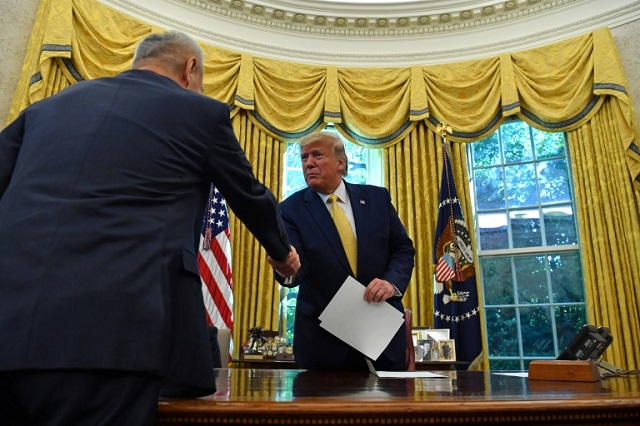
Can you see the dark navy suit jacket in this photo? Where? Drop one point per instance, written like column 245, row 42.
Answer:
column 102, row 191
column 384, row 251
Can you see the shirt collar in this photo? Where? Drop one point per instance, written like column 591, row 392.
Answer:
column 341, row 192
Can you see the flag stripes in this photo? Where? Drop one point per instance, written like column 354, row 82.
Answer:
column 214, row 263
column 217, row 284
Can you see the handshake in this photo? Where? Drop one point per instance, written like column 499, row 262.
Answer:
column 287, row 267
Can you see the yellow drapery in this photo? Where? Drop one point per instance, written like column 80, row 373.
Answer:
column 576, row 86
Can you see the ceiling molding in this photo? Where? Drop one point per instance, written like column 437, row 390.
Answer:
column 238, row 25
column 386, row 19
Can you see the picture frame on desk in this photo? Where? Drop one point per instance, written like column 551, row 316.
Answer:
column 415, row 336
column 424, row 333
column 436, row 334
column 423, row 350
column 447, row 350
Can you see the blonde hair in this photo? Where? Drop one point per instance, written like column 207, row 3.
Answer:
column 337, row 146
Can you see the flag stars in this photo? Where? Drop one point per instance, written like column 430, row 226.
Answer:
column 448, row 201
column 457, row 318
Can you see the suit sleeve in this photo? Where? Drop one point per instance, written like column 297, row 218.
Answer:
column 295, row 240
column 402, row 253
column 10, row 142
column 253, row 203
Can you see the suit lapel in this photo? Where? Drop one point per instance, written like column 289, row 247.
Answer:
column 320, row 214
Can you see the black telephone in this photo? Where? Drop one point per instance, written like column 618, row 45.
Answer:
column 588, row 344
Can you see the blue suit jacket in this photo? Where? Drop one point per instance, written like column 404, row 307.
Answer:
column 384, row 251
column 102, row 191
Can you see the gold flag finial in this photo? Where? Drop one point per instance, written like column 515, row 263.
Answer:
column 443, row 130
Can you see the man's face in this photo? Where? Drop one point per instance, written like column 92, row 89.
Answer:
column 322, row 169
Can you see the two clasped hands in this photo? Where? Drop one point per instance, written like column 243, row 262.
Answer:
column 377, row 290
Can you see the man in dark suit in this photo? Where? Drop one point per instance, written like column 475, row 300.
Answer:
column 102, row 191
column 385, row 255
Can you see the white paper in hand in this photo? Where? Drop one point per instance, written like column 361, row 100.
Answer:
column 368, row 327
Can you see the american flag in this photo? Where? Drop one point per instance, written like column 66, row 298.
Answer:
column 214, row 262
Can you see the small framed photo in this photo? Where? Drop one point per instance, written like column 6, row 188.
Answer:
column 419, row 333
column 423, row 350
column 415, row 336
column 447, row 350
column 436, row 334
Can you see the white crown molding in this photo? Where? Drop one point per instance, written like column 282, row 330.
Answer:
column 529, row 24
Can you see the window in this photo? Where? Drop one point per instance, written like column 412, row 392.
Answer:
column 365, row 166
column 528, row 254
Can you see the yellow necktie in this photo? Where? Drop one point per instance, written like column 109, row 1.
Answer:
column 346, row 233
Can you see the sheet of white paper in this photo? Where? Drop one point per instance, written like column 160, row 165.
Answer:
column 408, row 375
column 368, row 327
column 403, row 374
column 515, row 374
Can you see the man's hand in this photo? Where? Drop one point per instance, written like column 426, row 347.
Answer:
column 379, row 290
column 287, row 267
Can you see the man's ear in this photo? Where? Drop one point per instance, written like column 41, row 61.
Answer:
column 187, row 70
column 343, row 162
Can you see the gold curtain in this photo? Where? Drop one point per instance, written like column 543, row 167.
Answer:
column 608, row 220
column 575, row 86
column 256, row 296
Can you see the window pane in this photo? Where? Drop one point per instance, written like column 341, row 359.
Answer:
column 553, row 179
column 559, row 225
column 548, row 144
column 525, row 228
column 516, row 141
column 521, row 186
column 292, row 155
column 295, row 182
column 497, row 281
column 531, row 276
column 486, row 153
column 535, row 324
column 357, row 156
column 566, row 278
column 502, row 331
column 489, row 188
column 505, row 365
column 494, row 233
column 569, row 320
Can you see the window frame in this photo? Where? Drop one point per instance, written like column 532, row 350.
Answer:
column 512, row 254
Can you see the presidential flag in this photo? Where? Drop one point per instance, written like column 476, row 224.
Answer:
column 456, row 297
column 214, row 262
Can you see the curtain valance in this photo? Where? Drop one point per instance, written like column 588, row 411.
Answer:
column 557, row 87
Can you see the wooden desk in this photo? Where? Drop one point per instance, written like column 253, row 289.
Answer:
column 286, row 396
column 282, row 364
